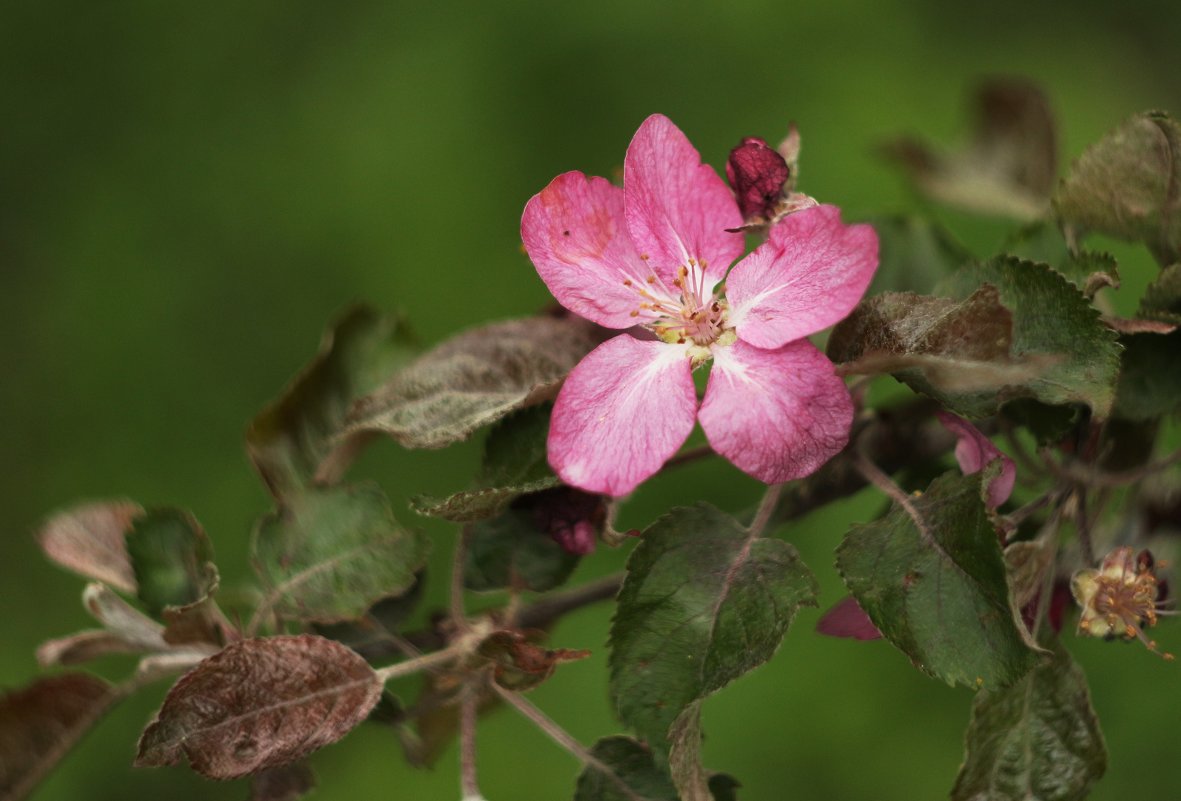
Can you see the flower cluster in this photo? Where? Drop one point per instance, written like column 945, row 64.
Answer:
column 649, row 259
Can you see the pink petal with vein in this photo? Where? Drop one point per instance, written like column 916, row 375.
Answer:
column 847, row 619
column 809, row 275
column 973, row 451
column 776, row 414
column 574, row 231
column 623, row 411
column 677, row 207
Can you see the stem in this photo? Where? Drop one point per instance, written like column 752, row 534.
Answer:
column 564, row 739
column 468, row 711
column 1083, row 526
column 458, row 562
column 691, row 455
column 886, row 484
column 424, row 662
column 547, row 610
column 766, row 509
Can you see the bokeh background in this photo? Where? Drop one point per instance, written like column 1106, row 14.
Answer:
column 189, row 191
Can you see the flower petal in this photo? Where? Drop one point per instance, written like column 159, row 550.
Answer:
column 809, row 275
column 574, row 232
column 776, row 414
column 678, row 208
column 623, row 411
column 973, row 451
column 847, row 619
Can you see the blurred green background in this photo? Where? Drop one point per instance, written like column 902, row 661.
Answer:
column 188, row 192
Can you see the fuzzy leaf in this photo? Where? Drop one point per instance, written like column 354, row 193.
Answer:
column 1054, row 326
column 955, row 351
column 511, row 551
column 293, row 441
column 702, row 604
column 331, row 553
column 514, row 465
column 1125, row 185
column 259, row 704
column 1038, row 740
column 172, row 558
column 1162, row 298
column 633, row 764
column 89, row 540
column 287, row 783
column 41, row 722
column 1009, row 166
column 935, row 586
column 914, row 255
column 1150, row 379
column 1042, row 242
column 474, row 379
column 127, row 630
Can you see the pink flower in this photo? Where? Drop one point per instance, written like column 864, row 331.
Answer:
column 653, row 254
column 974, row 452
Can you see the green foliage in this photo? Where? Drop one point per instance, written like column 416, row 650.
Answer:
column 914, row 254
column 1150, row 379
column 514, row 464
column 932, row 579
column 704, row 602
column 1037, row 740
column 632, row 763
column 1125, row 185
column 331, row 553
column 510, row 551
column 172, row 558
column 1162, row 298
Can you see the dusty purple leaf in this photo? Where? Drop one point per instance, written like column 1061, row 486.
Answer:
column 283, row 784
column 41, row 722
column 259, row 704
column 89, row 540
column 126, row 630
column 847, row 619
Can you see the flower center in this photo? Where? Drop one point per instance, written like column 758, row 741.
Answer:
column 691, row 317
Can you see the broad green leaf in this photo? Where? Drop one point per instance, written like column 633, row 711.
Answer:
column 955, row 351
column 295, row 439
column 915, row 254
column 1150, row 378
column 331, row 553
column 260, row 704
column 41, row 722
column 473, row 380
column 172, row 558
column 632, row 764
column 1048, row 424
column 1042, row 242
column 1038, row 740
column 514, row 464
column 1008, row 167
column 703, row 603
column 1053, row 326
column 1162, row 298
column 513, row 551
column 932, row 579
column 1125, row 185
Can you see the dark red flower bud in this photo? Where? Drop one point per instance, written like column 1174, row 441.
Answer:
column 573, row 518
column 757, row 173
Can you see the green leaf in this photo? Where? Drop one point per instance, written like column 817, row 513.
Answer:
column 512, row 551
column 1048, row 424
column 914, row 254
column 514, row 465
column 474, row 379
column 955, row 351
column 1150, row 379
column 1162, row 298
column 172, row 559
column 1042, row 242
column 632, row 763
column 703, row 603
column 1038, row 740
column 1010, row 164
column 1125, row 185
column 932, row 579
column 331, row 553
column 1054, row 326
column 295, row 439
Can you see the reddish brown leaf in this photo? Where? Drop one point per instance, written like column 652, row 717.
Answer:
column 283, row 784
column 88, row 540
column 259, row 704
column 41, row 722
column 82, row 646
column 520, row 664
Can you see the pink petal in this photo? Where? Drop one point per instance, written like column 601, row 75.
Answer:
column 678, row 208
column 847, row 619
column 623, row 411
column 810, row 273
column 574, row 232
column 776, row 414
column 973, row 451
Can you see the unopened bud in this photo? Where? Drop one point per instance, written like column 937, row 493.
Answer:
column 573, row 518
column 757, row 173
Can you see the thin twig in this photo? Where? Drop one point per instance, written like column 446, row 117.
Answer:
column 564, row 739
column 691, row 455
column 458, row 564
column 1019, row 516
column 766, row 509
column 424, row 662
column 1082, row 525
column 547, row 610
column 886, row 484
column 469, row 704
